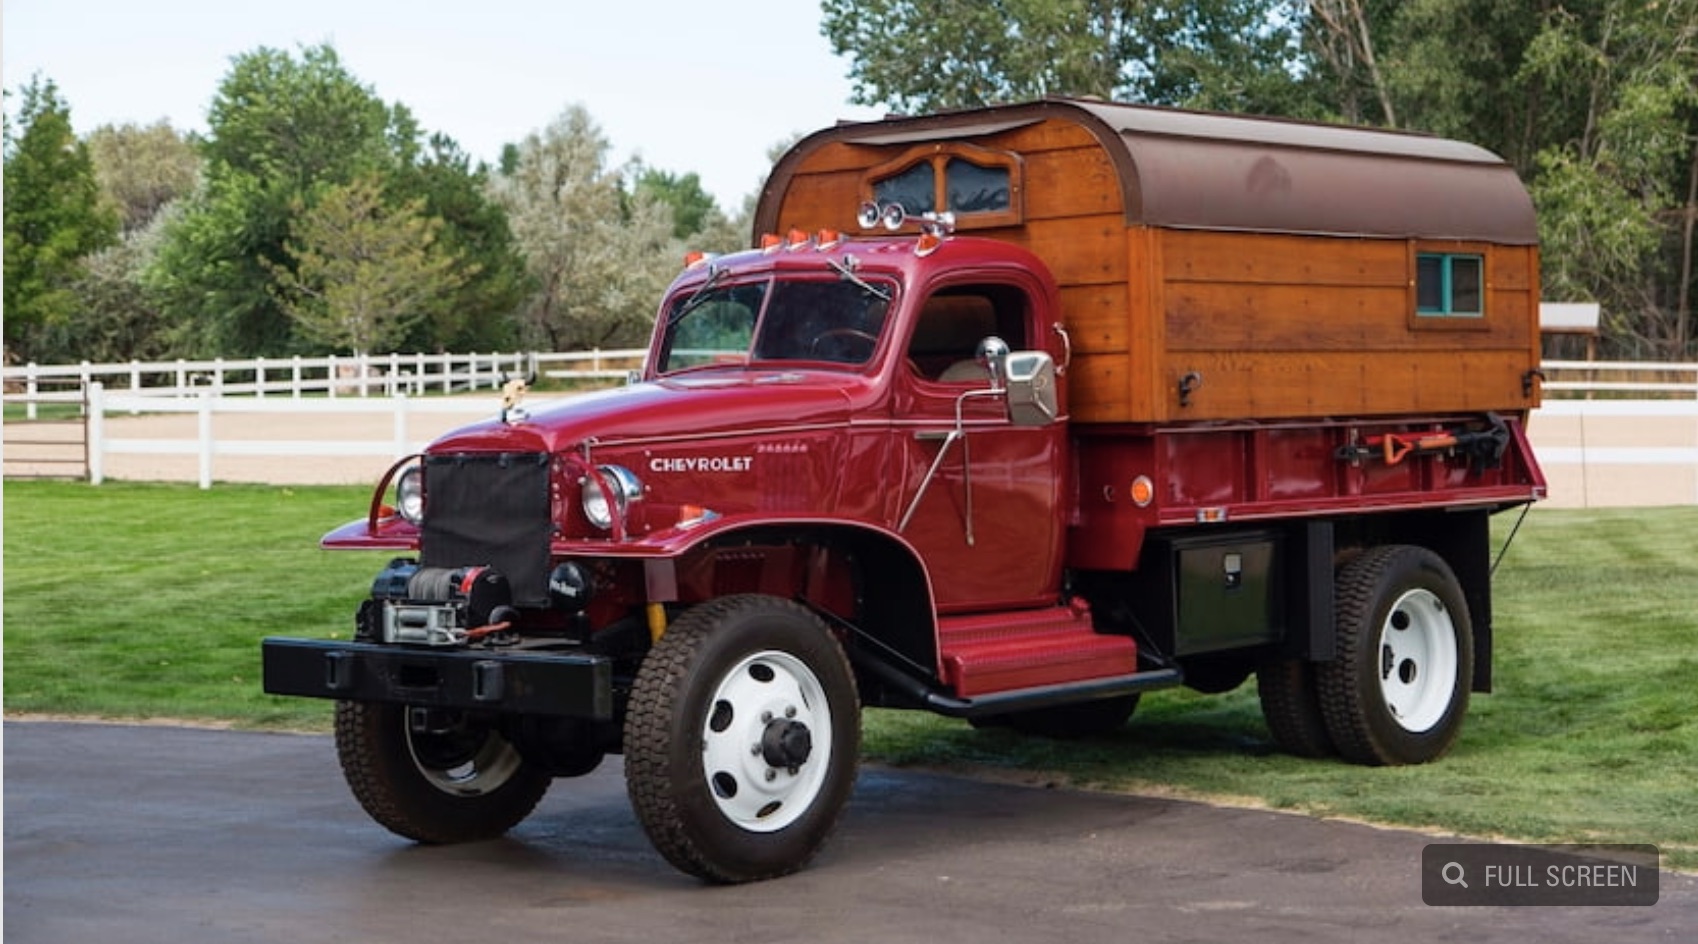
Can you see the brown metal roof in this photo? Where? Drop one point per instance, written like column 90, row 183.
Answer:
column 1228, row 172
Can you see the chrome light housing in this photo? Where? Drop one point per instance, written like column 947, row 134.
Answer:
column 409, row 494
column 625, row 488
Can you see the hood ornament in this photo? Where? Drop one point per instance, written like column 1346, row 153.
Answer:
column 513, row 390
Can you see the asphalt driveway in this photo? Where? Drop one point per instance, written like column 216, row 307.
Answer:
column 157, row 834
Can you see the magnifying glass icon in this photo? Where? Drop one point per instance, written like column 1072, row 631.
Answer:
column 1459, row 879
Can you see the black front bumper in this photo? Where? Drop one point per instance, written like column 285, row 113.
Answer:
column 532, row 683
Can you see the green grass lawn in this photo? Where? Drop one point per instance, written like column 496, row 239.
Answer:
column 149, row 601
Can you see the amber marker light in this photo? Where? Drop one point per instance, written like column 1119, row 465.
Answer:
column 928, row 244
column 1143, row 491
column 770, row 242
column 827, row 238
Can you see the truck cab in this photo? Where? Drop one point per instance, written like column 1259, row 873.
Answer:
column 1096, row 400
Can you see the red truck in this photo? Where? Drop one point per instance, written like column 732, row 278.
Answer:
column 1100, row 399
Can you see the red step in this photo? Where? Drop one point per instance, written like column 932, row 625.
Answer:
column 999, row 652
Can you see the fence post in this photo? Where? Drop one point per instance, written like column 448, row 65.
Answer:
column 85, row 378
column 259, row 378
column 204, row 429
column 94, row 432
column 182, row 378
column 331, row 375
column 29, row 390
column 295, row 376
column 365, row 374
column 401, row 440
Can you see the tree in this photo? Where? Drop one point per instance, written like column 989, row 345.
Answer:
column 279, row 128
column 925, row 55
column 118, row 318
column 479, row 314
column 598, row 258
column 53, row 218
column 363, row 271
column 141, row 170
column 1618, row 196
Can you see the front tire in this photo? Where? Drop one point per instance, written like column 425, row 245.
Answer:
column 742, row 738
column 435, row 776
column 1398, row 689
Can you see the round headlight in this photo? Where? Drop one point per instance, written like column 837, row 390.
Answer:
column 625, row 489
column 409, row 494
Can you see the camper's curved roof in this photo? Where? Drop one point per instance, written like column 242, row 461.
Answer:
column 1228, row 172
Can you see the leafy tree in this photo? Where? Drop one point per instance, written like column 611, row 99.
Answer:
column 1618, row 195
column 925, row 55
column 53, row 218
column 363, row 270
column 118, row 317
column 598, row 258
column 479, row 314
column 141, row 170
column 279, row 128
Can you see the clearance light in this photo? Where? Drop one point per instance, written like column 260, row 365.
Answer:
column 927, row 244
column 827, row 238
column 690, row 516
column 797, row 240
column 1143, row 491
column 770, row 242
column 696, row 259
column 1214, row 515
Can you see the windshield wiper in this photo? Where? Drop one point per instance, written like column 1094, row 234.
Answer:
column 846, row 268
column 716, row 274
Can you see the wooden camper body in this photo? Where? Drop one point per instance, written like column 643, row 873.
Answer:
column 1217, row 267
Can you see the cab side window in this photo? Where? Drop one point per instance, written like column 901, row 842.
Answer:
column 954, row 320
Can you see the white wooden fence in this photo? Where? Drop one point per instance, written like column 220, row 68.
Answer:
column 299, row 377
column 1595, row 451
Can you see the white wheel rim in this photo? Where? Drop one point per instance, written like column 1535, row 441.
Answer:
column 1417, row 661
column 464, row 774
column 763, row 690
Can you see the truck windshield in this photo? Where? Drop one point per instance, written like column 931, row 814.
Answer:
column 831, row 322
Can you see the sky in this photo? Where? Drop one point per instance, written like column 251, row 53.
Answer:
column 702, row 87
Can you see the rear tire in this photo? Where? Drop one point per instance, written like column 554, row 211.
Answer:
column 1292, row 708
column 459, row 782
column 1398, row 689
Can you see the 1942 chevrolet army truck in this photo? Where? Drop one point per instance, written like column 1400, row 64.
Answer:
column 1099, row 399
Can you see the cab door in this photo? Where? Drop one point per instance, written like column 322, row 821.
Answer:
column 982, row 498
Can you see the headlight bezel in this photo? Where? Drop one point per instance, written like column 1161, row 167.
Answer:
column 623, row 487
column 410, row 494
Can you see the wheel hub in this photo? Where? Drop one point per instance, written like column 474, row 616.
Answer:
column 786, row 743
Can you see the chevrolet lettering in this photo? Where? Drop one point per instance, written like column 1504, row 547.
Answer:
column 1079, row 411
column 701, row 464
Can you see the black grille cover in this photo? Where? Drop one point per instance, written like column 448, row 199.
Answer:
column 490, row 510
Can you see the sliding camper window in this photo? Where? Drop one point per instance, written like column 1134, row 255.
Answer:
column 1450, row 285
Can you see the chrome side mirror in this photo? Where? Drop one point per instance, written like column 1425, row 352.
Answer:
column 1031, row 392
column 992, row 355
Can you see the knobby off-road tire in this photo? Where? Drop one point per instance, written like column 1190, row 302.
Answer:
column 1398, row 690
column 742, row 738
column 462, row 783
column 1292, row 708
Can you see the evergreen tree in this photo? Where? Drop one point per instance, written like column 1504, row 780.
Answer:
column 53, row 218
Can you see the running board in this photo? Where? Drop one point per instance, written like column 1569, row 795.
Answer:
column 1023, row 699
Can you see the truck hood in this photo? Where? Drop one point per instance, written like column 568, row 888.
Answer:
column 718, row 403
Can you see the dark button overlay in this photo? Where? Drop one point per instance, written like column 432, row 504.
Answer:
column 1550, row 875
